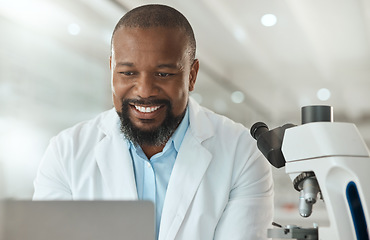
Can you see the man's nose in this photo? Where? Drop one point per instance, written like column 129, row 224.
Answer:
column 146, row 86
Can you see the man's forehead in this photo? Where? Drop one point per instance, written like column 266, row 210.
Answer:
column 130, row 32
column 145, row 38
column 167, row 42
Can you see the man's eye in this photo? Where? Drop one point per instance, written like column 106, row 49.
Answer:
column 127, row 73
column 164, row 74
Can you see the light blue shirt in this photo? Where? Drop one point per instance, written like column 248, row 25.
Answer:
column 152, row 176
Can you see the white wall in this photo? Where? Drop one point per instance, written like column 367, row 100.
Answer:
column 45, row 86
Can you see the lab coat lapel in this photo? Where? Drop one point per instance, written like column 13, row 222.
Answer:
column 114, row 161
column 190, row 166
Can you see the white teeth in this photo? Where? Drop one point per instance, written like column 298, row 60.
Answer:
column 146, row 109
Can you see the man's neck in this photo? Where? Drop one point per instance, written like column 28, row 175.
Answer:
column 151, row 150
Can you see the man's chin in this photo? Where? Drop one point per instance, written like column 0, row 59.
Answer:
column 144, row 128
column 147, row 125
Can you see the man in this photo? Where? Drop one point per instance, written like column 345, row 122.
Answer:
column 202, row 170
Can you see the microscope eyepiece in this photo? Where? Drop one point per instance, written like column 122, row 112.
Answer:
column 269, row 142
column 257, row 129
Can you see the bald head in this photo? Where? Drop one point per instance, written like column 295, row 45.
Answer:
column 154, row 15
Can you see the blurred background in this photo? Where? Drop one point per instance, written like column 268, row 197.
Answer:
column 261, row 60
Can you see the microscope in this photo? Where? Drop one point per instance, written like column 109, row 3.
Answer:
column 327, row 159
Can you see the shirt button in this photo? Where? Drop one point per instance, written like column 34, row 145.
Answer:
column 148, row 165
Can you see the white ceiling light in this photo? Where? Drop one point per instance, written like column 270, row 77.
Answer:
column 268, row 20
column 323, row 94
column 240, row 34
column 237, row 97
column 74, row 29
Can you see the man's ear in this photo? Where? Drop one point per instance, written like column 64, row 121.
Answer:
column 110, row 62
column 193, row 74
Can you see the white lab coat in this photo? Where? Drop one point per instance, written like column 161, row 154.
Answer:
column 220, row 188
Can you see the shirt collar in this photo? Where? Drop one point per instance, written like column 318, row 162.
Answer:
column 179, row 134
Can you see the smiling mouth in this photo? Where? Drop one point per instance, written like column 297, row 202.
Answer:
column 147, row 109
column 144, row 109
column 147, row 114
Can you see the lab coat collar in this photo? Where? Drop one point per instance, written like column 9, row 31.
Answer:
column 114, row 159
column 200, row 124
column 191, row 164
column 110, row 123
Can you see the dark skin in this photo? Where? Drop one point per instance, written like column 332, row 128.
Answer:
column 151, row 63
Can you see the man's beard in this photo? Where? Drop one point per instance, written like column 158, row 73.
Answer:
column 153, row 137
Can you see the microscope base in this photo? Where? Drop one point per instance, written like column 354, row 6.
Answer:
column 293, row 233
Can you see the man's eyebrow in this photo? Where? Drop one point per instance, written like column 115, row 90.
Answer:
column 173, row 66
column 128, row 64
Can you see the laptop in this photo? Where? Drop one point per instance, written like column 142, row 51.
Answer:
column 77, row 220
